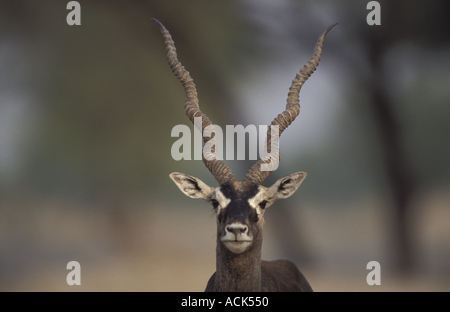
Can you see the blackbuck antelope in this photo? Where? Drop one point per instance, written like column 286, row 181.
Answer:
column 240, row 206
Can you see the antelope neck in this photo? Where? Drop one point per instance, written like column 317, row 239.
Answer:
column 238, row 272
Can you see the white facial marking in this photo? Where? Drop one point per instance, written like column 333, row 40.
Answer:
column 255, row 200
column 236, row 237
column 221, row 199
column 237, row 247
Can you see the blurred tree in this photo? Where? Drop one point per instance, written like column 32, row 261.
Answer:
column 363, row 53
column 107, row 93
column 107, row 100
column 401, row 21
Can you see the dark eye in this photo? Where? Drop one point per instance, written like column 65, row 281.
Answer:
column 215, row 203
column 263, row 204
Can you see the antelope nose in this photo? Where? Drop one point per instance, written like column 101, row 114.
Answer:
column 237, row 228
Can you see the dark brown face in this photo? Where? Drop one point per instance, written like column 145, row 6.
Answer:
column 239, row 215
column 239, row 206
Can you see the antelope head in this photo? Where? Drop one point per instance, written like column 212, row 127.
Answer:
column 240, row 206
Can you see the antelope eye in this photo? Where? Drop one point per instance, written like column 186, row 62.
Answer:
column 215, row 203
column 263, row 204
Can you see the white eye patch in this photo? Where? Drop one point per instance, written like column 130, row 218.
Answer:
column 255, row 200
column 221, row 199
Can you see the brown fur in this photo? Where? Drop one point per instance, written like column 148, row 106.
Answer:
column 246, row 272
column 275, row 276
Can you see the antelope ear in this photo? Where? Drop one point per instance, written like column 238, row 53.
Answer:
column 191, row 186
column 286, row 186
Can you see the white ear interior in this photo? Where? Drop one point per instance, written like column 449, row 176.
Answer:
column 191, row 186
column 286, row 186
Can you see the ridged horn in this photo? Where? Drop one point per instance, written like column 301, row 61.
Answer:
column 221, row 172
column 283, row 120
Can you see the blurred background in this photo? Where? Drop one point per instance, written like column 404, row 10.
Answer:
column 86, row 114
